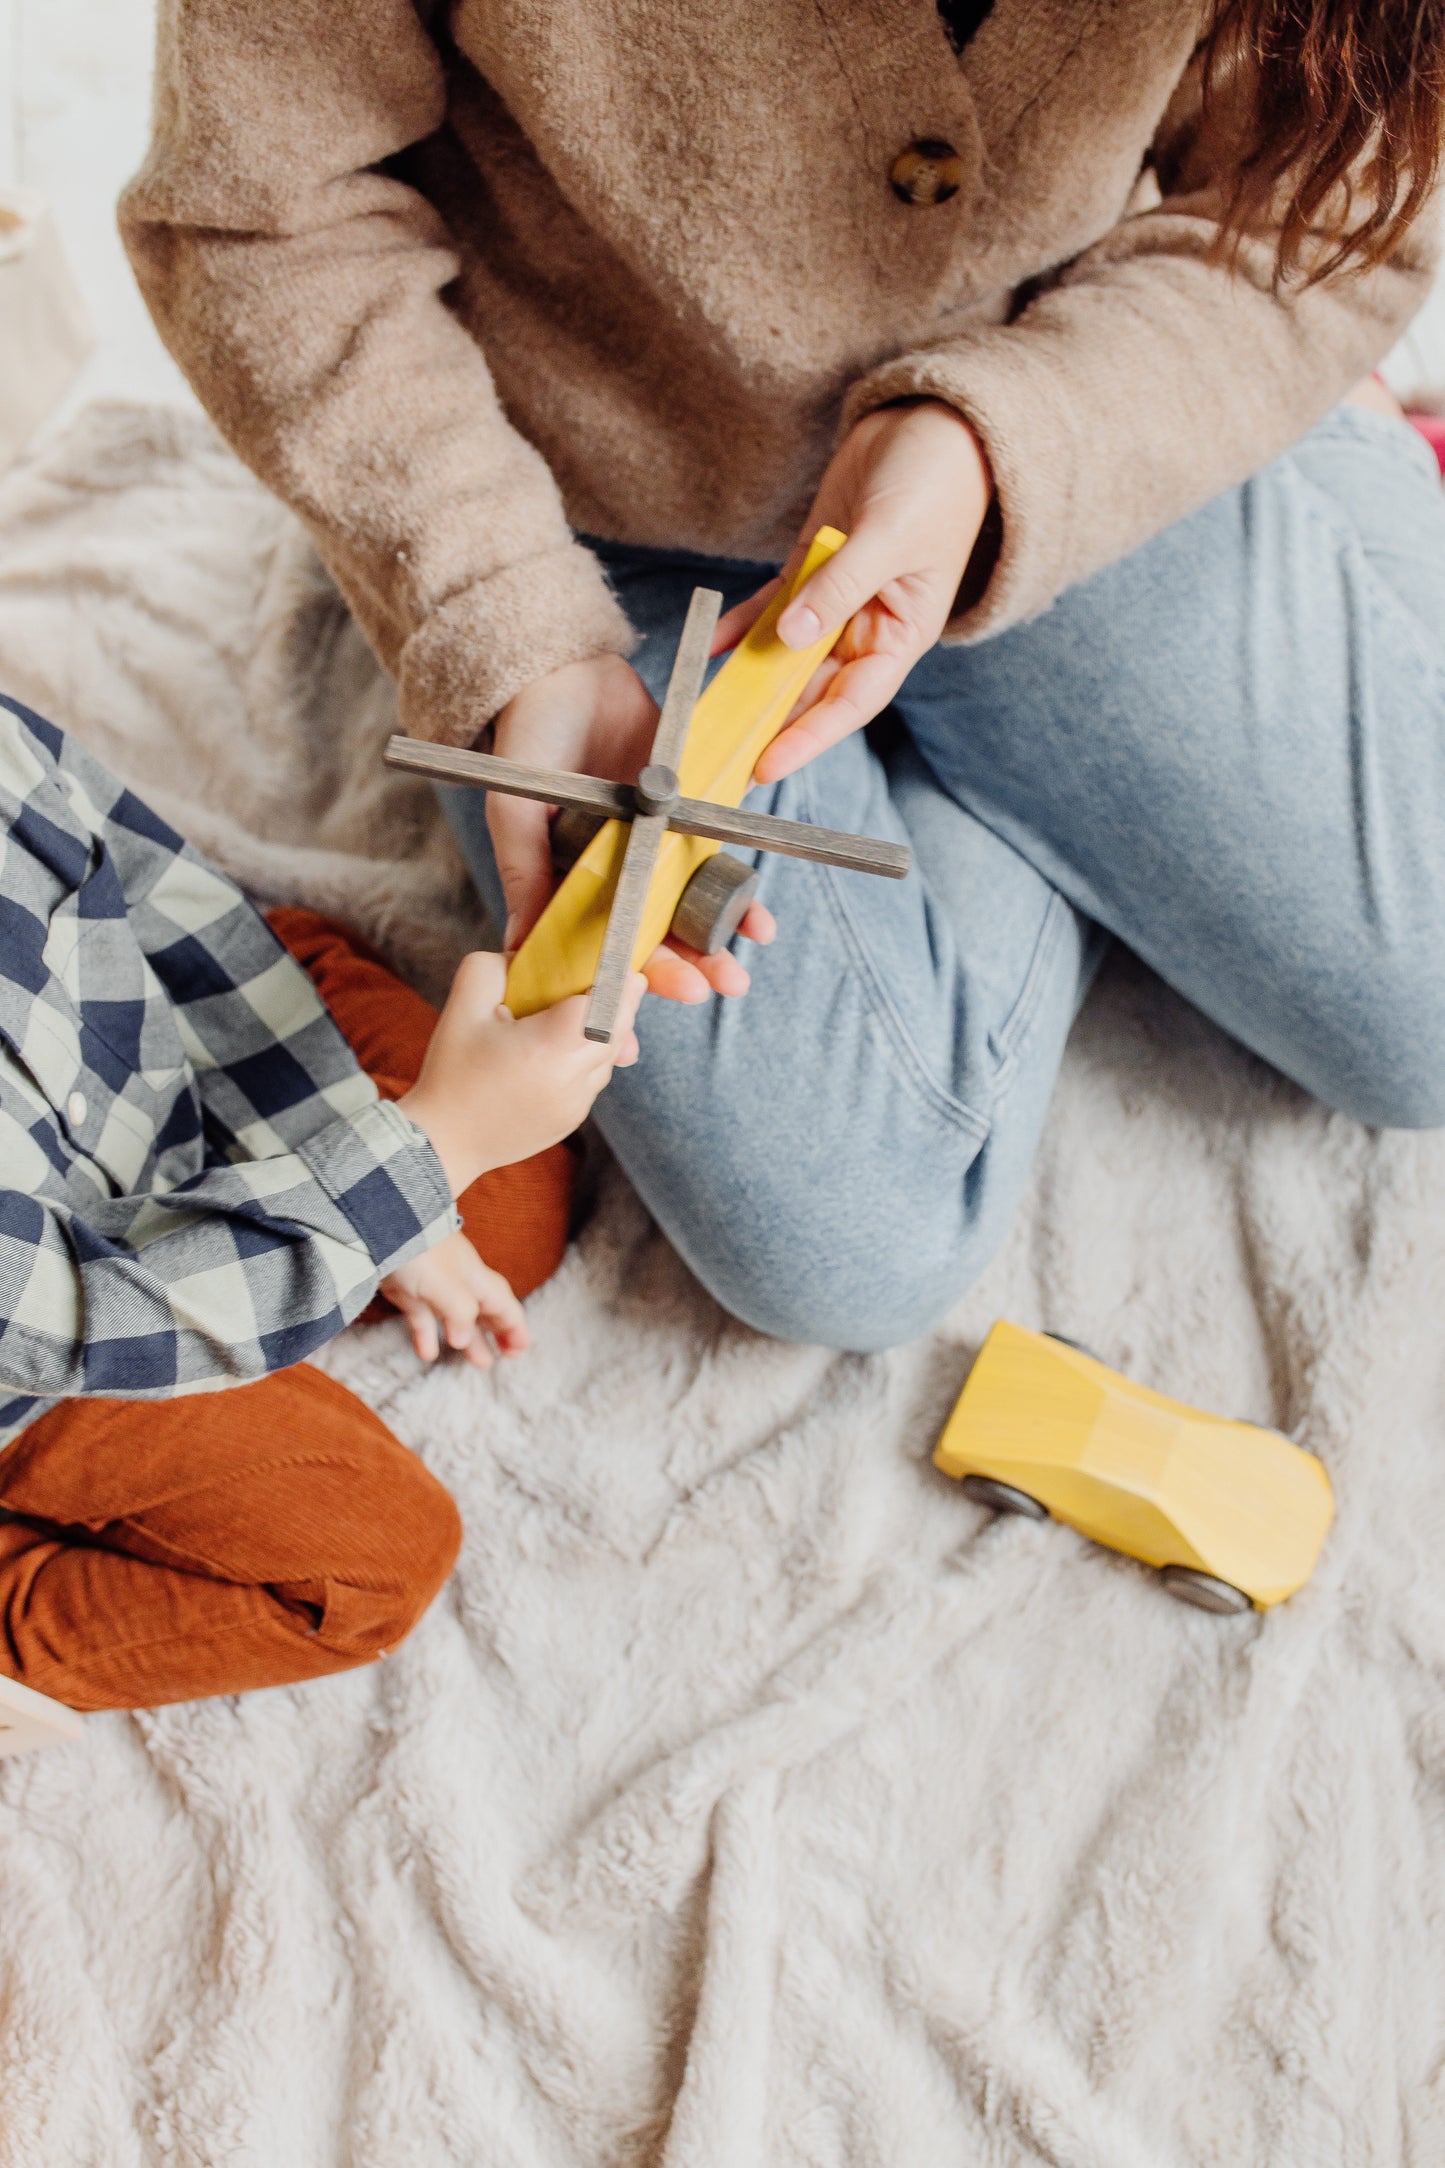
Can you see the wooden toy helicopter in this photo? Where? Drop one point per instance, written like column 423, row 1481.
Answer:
column 642, row 859
column 1232, row 1515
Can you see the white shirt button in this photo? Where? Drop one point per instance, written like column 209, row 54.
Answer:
column 76, row 1109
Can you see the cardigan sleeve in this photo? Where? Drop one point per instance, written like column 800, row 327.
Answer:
column 299, row 285
column 1147, row 376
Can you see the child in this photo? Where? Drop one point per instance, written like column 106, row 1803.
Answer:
column 200, row 1184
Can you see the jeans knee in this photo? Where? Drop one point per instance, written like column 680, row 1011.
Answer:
column 1389, row 1073
column 1398, row 1095
column 877, row 1292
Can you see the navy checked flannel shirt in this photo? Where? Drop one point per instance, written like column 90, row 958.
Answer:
column 198, row 1184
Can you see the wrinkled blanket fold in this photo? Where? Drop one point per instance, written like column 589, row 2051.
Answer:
column 750, row 1799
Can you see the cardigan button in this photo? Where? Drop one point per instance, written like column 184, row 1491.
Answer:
column 929, row 171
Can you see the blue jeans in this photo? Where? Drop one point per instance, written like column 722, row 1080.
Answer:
column 1227, row 751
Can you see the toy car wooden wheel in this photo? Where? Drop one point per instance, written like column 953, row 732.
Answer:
column 712, row 906
column 1204, row 1591
column 986, row 1490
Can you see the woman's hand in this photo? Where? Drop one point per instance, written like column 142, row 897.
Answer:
column 596, row 718
column 448, row 1290
column 909, row 486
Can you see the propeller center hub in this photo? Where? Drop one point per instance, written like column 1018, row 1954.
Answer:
column 656, row 789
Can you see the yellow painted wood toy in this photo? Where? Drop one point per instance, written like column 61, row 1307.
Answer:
column 740, row 714
column 653, row 865
column 1231, row 1514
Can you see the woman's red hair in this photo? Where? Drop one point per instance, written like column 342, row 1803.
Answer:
column 1344, row 141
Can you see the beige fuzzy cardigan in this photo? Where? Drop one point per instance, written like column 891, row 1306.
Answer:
column 457, row 281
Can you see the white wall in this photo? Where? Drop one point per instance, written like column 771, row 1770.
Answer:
column 74, row 105
column 9, row 86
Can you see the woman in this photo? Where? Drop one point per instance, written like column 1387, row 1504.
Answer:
column 1053, row 307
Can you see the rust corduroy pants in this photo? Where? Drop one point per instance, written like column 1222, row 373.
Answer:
column 155, row 1551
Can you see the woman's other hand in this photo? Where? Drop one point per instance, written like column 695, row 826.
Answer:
column 595, row 718
column 910, row 487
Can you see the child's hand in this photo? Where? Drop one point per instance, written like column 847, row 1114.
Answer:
column 909, row 486
column 449, row 1290
column 495, row 1088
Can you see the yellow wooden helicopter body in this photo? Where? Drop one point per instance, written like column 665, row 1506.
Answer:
column 739, row 714
column 1145, row 1475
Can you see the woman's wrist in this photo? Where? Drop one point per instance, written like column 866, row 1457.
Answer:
column 984, row 505
column 931, row 401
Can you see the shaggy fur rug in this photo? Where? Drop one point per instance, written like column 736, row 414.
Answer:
column 749, row 1800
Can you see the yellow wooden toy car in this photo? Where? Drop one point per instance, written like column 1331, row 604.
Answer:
column 1231, row 1514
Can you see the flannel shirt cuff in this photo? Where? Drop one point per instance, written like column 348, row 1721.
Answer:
column 383, row 1173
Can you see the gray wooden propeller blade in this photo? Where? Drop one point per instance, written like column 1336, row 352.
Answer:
column 618, row 801
column 790, row 839
column 629, row 901
column 554, row 786
column 650, row 823
column 684, row 686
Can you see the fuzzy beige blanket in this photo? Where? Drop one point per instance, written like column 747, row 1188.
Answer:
column 749, row 1800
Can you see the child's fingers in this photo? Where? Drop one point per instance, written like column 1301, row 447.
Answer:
column 421, row 1323
column 478, row 1351
column 622, row 1050
column 480, row 982
column 496, row 1305
column 564, row 1024
column 759, row 925
column 561, row 1028
column 450, row 1298
column 458, row 1312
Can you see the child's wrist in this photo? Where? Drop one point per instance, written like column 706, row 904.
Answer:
column 461, row 1163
